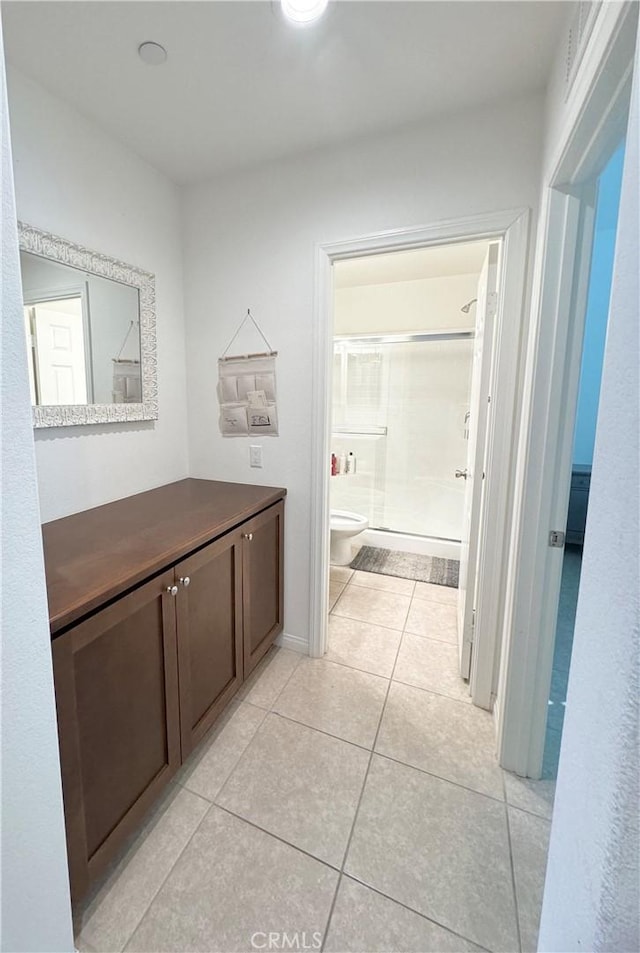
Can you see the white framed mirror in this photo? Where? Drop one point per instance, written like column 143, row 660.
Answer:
column 90, row 326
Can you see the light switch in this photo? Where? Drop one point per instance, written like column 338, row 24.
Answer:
column 255, row 456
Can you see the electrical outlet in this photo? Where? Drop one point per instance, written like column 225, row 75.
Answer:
column 255, row 456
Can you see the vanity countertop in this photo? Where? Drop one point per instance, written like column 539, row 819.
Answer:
column 93, row 556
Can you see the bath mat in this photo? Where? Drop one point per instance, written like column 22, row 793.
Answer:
column 433, row 569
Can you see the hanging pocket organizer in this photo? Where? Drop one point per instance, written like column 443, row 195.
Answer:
column 247, row 391
column 127, row 380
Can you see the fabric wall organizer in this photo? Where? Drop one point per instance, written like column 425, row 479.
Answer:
column 247, row 391
column 127, row 380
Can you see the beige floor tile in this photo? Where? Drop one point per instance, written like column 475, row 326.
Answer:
column 445, row 594
column 257, row 672
column 299, row 784
column 439, row 849
column 373, row 605
column 207, row 771
column 115, row 911
column 335, row 591
column 375, row 580
column 529, row 845
column 266, row 682
column 363, row 920
column 435, row 620
column 441, row 735
column 427, row 663
column 340, row 700
column 82, row 947
column 340, row 574
column 232, row 882
column 361, row 645
column 533, row 796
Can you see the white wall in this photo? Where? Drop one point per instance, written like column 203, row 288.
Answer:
column 36, row 911
column 424, row 304
column 75, row 181
column 250, row 241
column 112, row 309
column 592, row 891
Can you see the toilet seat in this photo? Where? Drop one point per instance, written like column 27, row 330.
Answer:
column 343, row 519
column 344, row 527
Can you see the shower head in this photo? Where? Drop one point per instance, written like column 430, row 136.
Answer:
column 467, row 307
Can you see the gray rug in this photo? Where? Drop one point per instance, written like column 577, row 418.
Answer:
column 440, row 572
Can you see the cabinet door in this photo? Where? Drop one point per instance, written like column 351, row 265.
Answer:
column 209, row 613
column 262, row 582
column 118, row 722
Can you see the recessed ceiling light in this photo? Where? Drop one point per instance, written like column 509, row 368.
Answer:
column 152, row 53
column 303, row 11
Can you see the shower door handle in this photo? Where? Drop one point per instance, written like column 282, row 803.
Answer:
column 462, row 473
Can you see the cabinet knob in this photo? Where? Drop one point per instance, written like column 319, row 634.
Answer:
column 172, row 590
column 184, row 581
column 248, row 536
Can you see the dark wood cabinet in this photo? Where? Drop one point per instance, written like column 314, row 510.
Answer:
column 116, row 682
column 143, row 674
column 209, row 614
column 263, row 581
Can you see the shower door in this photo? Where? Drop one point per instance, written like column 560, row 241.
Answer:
column 401, row 407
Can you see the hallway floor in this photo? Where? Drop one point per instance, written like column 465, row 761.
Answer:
column 352, row 802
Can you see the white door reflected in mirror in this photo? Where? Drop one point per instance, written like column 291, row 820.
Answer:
column 84, row 334
column 57, row 366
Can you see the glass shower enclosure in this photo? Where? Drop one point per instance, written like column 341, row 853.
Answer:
column 401, row 406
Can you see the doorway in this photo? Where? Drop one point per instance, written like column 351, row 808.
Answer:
column 412, row 366
column 404, row 327
column 510, row 230
column 607, row 199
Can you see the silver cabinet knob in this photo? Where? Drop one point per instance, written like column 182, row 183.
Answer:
column 462, row 473
column 172, row 590
column 184, row 581
column 248, row 536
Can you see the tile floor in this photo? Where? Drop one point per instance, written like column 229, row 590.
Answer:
column 351, row 802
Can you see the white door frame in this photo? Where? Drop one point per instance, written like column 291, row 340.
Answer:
column 512, row 227
column 596, row 113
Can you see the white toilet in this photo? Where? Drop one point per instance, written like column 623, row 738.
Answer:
column 344, row 526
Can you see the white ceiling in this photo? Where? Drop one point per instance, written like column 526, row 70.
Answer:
column 441, row 261
column 242, row 86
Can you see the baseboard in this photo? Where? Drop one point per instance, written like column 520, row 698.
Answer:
column 293, row 642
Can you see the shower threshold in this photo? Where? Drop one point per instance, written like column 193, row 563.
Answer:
column 411, row 543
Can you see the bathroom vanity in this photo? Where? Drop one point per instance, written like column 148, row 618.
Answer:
column 160, row 606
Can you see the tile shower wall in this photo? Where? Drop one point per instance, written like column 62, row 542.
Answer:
column 400, row 408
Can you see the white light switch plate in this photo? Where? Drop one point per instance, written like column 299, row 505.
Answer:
column 255, row 456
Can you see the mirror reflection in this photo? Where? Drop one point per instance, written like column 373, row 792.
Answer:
column 83, row 335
